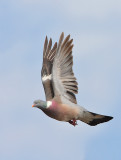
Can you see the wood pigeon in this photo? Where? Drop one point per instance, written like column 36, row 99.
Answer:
column 60, row 85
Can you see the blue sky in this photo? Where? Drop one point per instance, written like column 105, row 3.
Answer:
column 95, row 26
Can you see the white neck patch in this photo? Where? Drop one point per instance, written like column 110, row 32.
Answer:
column 46, row 77
column 49, row 103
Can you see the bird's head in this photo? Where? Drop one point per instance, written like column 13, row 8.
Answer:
column 40, row 104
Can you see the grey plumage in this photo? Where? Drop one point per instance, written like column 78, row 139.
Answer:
column 62, row 70
column 60, row 85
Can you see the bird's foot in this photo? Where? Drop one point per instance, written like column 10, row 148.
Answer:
column 73, row 122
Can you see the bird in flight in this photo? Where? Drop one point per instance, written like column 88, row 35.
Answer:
column 60, row 85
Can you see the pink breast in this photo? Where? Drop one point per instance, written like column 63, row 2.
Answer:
column 54, row 105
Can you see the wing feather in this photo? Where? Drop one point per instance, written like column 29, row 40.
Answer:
column 46, row 72
column 64, row 81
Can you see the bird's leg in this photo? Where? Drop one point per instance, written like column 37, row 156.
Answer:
column 73, row 122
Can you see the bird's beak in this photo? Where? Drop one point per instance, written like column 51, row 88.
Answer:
column 33, row 105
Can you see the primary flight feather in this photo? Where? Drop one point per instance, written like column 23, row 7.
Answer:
column 60, row 85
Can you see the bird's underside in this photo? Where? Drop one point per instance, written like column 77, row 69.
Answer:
column 70, row 112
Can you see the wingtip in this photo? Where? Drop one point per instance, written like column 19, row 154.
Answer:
column 50, row 42
column 46, row 39
column 62, row 36
column 51, row 39
column 62, row 33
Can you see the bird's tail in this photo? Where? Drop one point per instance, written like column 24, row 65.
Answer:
column 93, row 119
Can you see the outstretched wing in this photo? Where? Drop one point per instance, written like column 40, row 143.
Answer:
column 64, row 81
column 46, row 72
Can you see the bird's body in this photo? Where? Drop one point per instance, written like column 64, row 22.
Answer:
column 60, row 86
column 62, row 112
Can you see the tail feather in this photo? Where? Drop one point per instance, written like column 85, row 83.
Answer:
column 93, row 119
